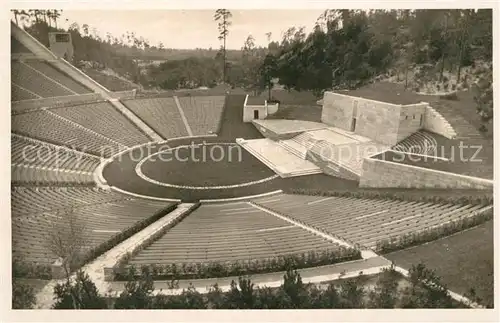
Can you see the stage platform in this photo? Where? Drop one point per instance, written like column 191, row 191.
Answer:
column 335, row 151
column 277, row 158
column 285, row 129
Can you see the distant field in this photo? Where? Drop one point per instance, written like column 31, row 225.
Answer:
column 463, row 261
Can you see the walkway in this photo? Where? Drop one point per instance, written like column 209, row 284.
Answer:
column 232, row 125
column 183, row 116
column 135, row 120
column 309, row 275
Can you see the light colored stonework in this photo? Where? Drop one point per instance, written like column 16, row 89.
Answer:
column 380, row 173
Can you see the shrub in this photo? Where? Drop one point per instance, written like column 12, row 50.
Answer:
column 483, row 128
column 430, row 234
column 21, row 269
column 450, row 96
column 238, row 268
column 23, row 295
column 483, row 198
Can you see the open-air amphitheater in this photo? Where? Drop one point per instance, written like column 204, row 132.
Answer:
column 80, row 150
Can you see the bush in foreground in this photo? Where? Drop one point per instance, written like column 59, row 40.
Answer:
column 238, row 268
column 423, row 289
column 23, row 296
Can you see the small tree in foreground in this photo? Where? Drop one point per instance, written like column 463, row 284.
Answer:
column 81, row 293
column 23, row 295
column 66, row 239
column 137, row 293
column 385, row 293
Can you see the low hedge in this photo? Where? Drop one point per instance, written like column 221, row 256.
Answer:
column 483, row 198
column 152, row 238
column 52, row 184
column 21, row 269
column 118, row 238
column 418, row 238
column 239, row 268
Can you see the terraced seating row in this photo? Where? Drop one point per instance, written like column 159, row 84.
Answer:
column 17, row 47
column 420, row 142
column 33, row 152
column 96, row 222
column 30, row 79
column 39, row 175
column 32, row 201
column 364, row 221
column 18, row 93
column 103, row 118
column 44, row 125
column 203, row 113
column 228, row 232
column 160, row 114
column 61, row 78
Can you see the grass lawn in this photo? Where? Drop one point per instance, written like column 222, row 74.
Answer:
column 207, row 165
column 463, row 261
column 298, row 112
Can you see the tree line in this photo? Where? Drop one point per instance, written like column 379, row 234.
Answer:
column 346, row 49
column 422, row 289
column 350, row 47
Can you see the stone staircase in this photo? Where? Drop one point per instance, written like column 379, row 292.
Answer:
column 418, row 143
column 461, row 126
column 294, row 148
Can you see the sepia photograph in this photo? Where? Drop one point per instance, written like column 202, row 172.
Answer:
column 251, row 159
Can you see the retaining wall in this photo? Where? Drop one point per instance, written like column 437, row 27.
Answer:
column 386, row 174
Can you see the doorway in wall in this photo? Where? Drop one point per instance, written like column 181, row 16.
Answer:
column 354, row 114
column 353, row 124
column 256, row 114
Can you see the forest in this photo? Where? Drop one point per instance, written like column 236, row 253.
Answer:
column 445, row 49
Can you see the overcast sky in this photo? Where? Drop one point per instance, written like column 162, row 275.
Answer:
column 192, row 28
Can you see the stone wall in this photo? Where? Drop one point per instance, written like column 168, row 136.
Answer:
column 378, row 121
column 337, row 110
column 374, row 119
column 385, row 174
column 329, row 167
column 435, row 122
column 412, row 118
column 55, row 102
column 123, row 95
